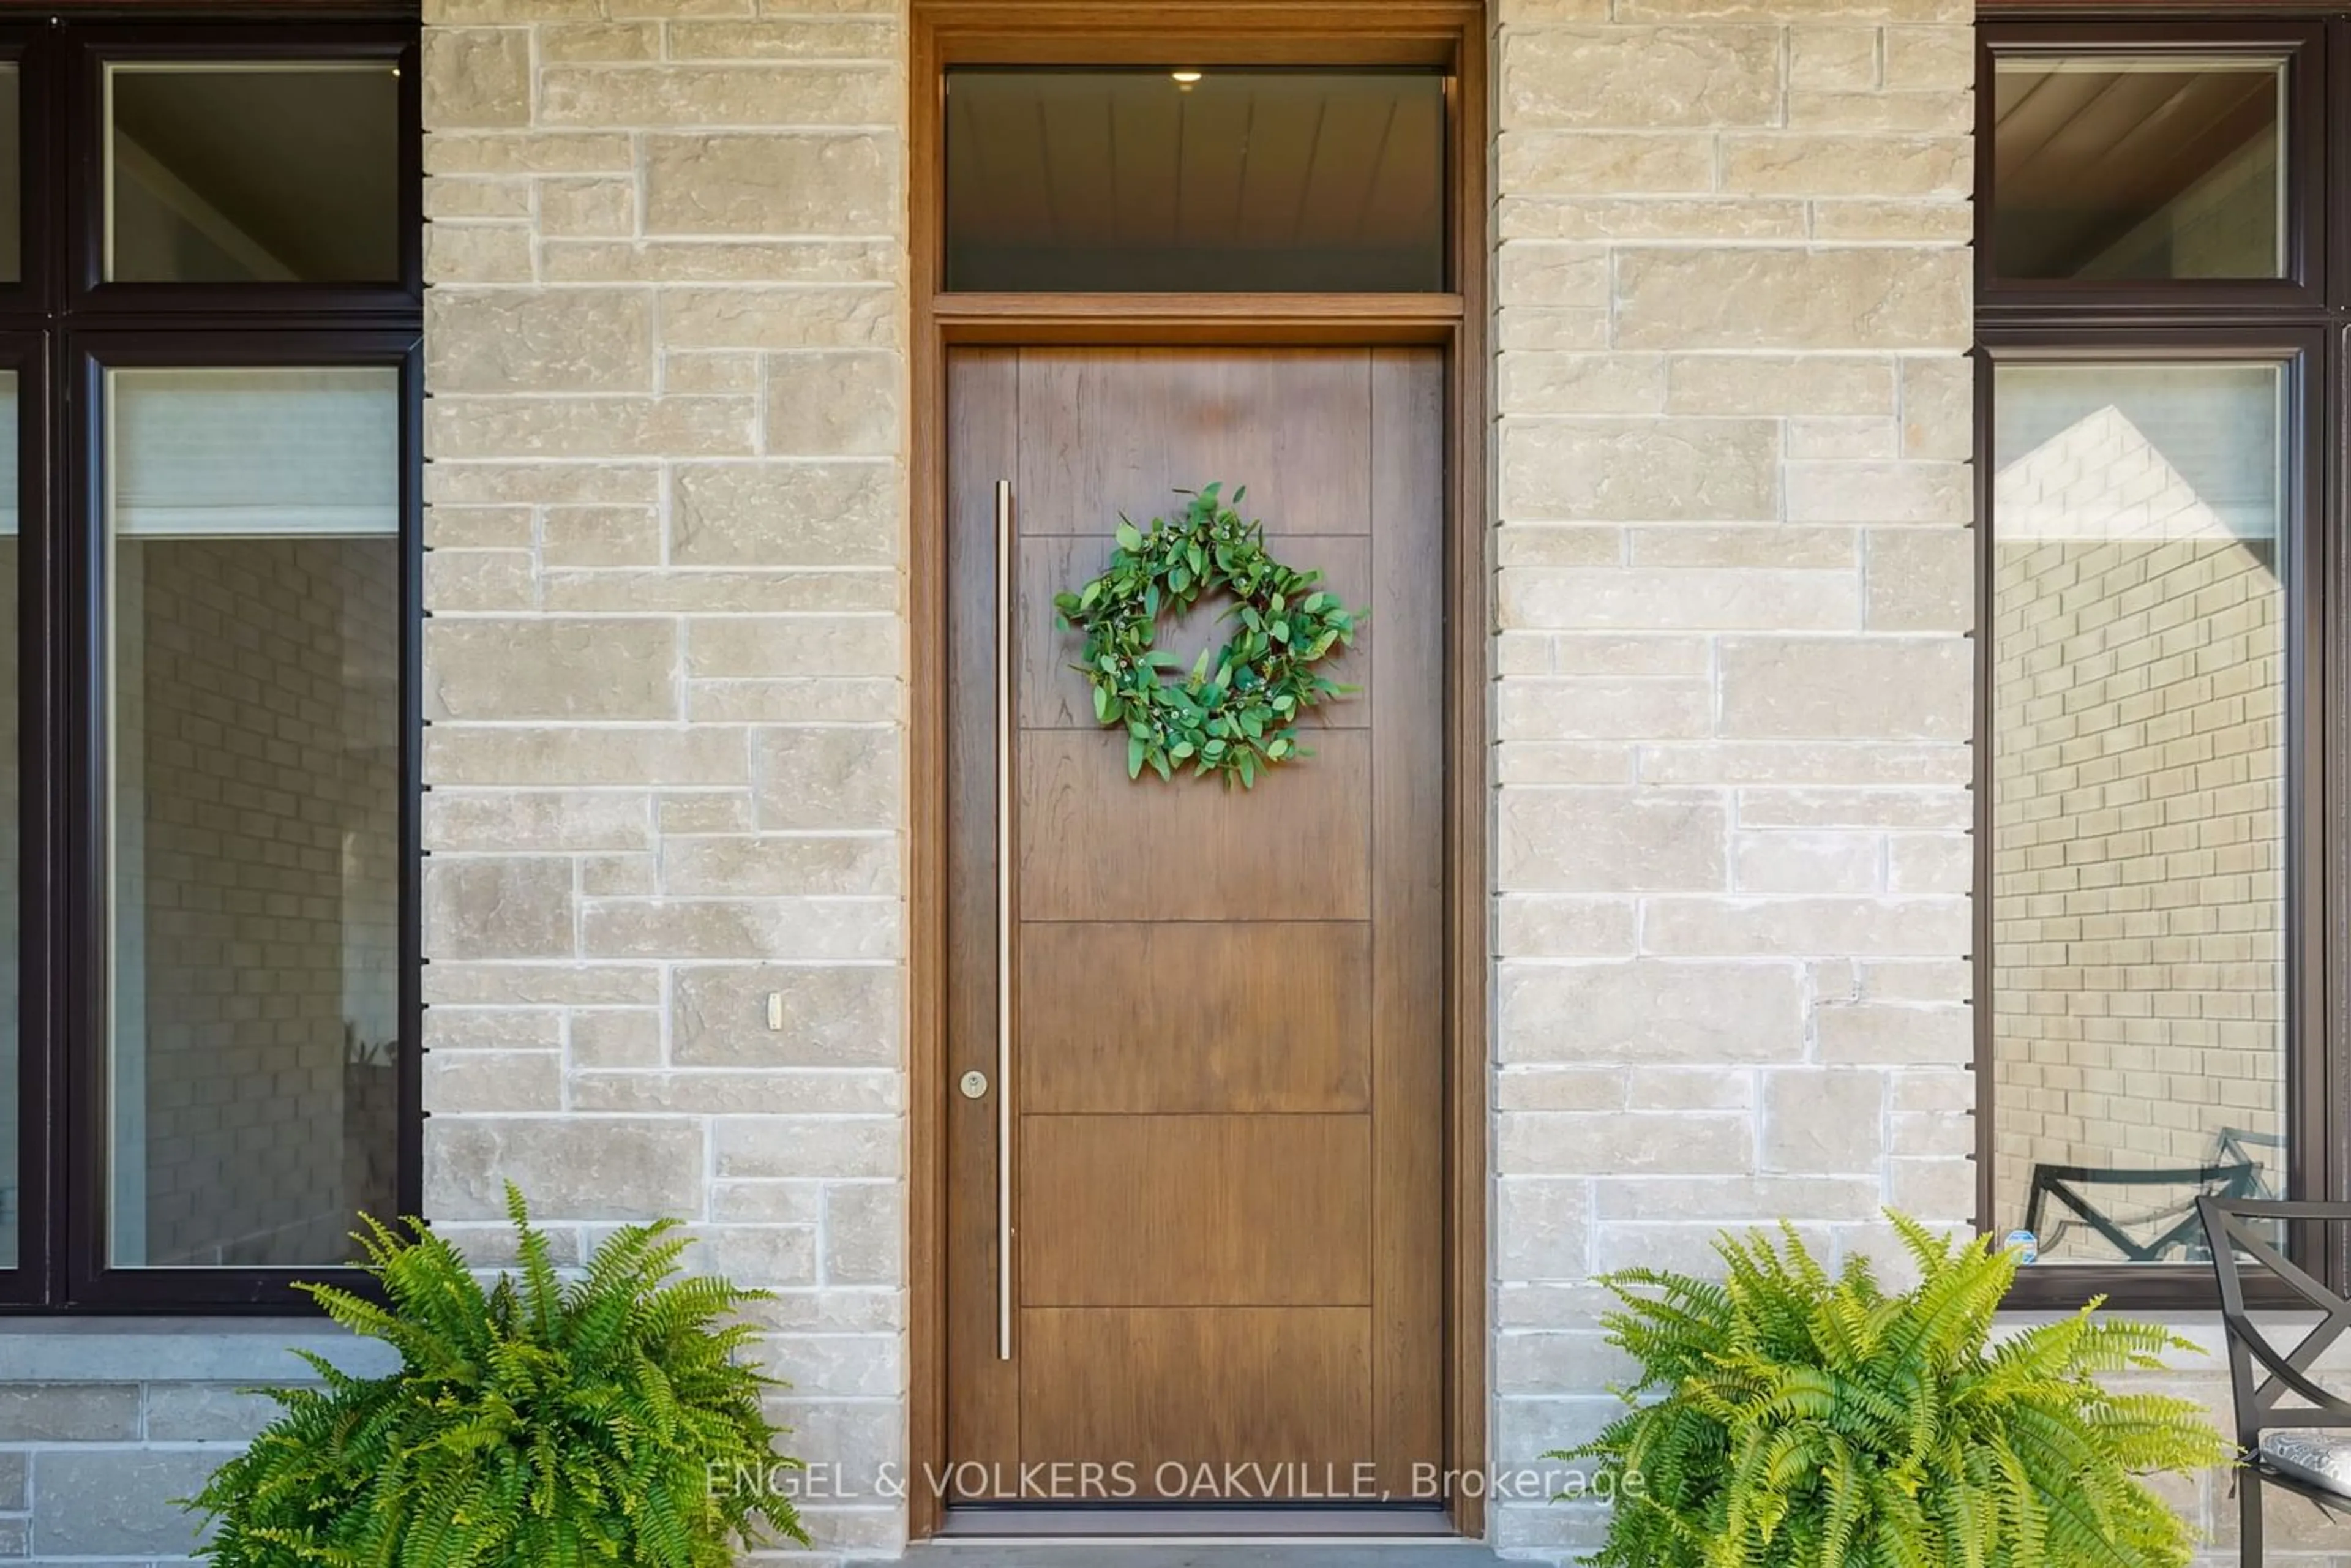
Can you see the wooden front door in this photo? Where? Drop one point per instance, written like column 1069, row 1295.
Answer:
column 1228, row 1080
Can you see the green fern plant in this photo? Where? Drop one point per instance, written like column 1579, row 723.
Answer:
column 607, row 1419
column 1787, row 1419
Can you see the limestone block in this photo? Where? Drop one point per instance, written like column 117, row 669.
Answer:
column 1639, row 78
column 1645, row 1011
column 587, row 204
column 1583, row 162
column 796, row 514
column 506, row 906
column 477, row 77
column 1611, row 841
column 1781, row 164
column 1769, row 297
column 1824, row 1121
column 1541, row 1227
column 550, row 667
column 607, row 1168
column 1890, row 688
column 781, row 184
column 1636, row 470
column 830, row 778
column 833, row 1016
column 835, row 405
column 666, row 95
column 1921, row 580
column 506, row 339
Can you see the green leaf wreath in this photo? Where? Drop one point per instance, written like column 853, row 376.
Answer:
column 1787, row 1419
column 610, row 1421
column 1235, row 713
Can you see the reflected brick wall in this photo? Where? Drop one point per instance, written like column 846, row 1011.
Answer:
column 11, row 861
column 258, row 830
column 2138, row 702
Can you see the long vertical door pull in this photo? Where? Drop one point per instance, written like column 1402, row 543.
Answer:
column 1006, row 568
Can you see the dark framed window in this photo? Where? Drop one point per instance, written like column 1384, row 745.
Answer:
column 209, row 737
column 2162, row 311
column 185, row 180
column 2145, row 165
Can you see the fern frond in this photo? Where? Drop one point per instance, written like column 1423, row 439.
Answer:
column 541, row 1423
column 1801, row 1420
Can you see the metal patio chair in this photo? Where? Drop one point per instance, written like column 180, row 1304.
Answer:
column 2262, row 1150
column 2305, row 1447
column 2160, row 1233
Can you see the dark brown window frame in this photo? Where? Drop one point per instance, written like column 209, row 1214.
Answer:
column 2303, row 321
column 2302, row 47
column 61, row 327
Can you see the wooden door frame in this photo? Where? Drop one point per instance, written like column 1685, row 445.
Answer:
column 1445, row 32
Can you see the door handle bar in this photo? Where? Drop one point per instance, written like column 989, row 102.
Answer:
column 1005, row 566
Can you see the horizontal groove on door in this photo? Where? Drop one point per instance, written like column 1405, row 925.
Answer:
column 1152, row 1016
column 1196, row 1210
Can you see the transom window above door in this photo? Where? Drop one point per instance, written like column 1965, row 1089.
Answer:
column 1207, row 179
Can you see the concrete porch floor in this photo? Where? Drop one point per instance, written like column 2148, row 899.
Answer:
column 1206, row 1554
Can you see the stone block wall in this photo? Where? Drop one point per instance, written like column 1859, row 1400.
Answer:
column 665, row 435
column 1733, row 289
column 104, row 1423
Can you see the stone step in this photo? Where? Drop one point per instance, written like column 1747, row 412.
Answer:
column 1204, row 1554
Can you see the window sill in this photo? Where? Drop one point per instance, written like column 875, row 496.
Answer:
column 182, row 1350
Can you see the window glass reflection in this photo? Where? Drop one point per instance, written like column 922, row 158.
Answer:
column 2138, row 735
column 11, row 811
column 2118, row 169
column 253, row 536
column 238, row 173
column 1210, row 179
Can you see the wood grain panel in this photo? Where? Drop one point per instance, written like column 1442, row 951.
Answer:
column 1407, row 695
column 1281, row 1389
column 1096, row 845
column 1231, row 1005
column 1182, row 320
column 1196, row 1210
column 1105, row 431
column 1053, row 695
column 1196, row 1017
column 982, row 1417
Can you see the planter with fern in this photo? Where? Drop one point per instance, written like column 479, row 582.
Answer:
column 1786, row 1417
column 607, row 1418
